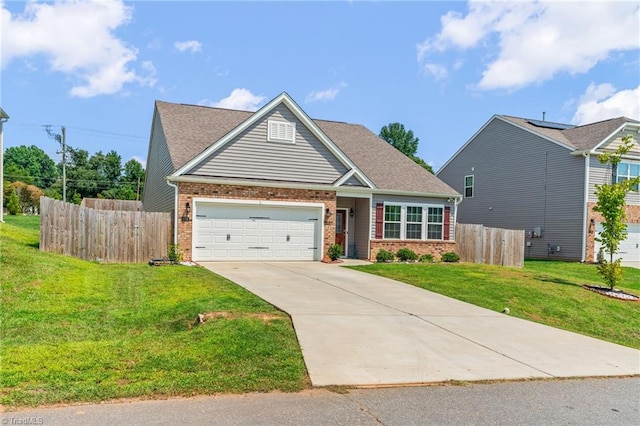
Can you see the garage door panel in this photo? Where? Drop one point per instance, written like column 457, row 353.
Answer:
column 232, row 232
column 629, row 249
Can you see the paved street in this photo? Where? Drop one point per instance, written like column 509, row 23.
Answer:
column 578, row 402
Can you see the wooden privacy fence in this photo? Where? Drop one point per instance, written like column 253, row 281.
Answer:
column 493, row 246
column 104, row 204
column 113, row 236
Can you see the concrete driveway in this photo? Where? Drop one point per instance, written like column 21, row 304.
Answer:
column 358, row 329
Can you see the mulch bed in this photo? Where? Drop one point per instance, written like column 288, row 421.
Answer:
column 615, row 294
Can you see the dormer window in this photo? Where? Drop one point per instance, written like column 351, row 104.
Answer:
column 281, row 131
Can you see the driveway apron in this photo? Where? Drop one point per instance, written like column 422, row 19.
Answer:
column 359, row 329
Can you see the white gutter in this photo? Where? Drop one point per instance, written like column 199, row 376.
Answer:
column 343, row 189
column 585, row 211
column 456, row 203
column 175, row 213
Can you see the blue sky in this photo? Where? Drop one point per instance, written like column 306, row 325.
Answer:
column 440, row 68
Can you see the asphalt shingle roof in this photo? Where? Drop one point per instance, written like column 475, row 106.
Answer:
column 587, row 136
column 191, row 129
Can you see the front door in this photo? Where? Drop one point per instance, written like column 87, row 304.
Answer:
column 341, row 229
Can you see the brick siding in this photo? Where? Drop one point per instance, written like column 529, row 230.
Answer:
column 188, row 191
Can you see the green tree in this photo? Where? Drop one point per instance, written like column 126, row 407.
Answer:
column 134, row 177
column 611, row 205
column 31, row 165
column 404, row 141
column 13, row 205
column 28, row 196
column 83, row 175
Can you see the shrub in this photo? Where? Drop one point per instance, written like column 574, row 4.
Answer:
column 405, row 254
column 426, row 258
column 174, row 255
column 450, row 257
column 384, row 256
column 334, row 251
column 13, row 205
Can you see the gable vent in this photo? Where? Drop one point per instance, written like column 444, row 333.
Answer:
column 281, row 131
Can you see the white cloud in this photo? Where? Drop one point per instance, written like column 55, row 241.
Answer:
column 191, row 45
column 602, row 101
column 77, row 38
column 326, row 95
column 438, row 71
column 241, row 99
column 536, row 40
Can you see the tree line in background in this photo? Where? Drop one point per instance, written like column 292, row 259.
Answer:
column 404, row 141
column 30, row 173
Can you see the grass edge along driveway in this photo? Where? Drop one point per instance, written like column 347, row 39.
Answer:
column 78, row 331
column 547, row 292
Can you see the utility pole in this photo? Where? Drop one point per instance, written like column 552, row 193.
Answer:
column 3, row 118
column 61, row 139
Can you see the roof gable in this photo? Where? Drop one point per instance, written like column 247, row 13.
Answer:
column 594, row 135
column 586, row 137
column 253, row 155
column 286, row 100
column 195, row 133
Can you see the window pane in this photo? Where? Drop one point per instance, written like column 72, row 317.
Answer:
column 392, row 230
column 392, row 213
column 468, row 192
column 635, row 170
column 414, row 214
column 623, row 169
column 414, row 231
column 434, row 214
column 434, row 232
column 468, row 181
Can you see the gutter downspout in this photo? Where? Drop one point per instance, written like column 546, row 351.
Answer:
column 585, row 229
column 175, row 213
column 456, row 203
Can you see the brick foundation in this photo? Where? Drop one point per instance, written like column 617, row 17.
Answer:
column 436, row 248
column 188, row 191
column 633, row 216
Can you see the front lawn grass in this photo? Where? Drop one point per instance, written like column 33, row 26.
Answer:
column 548, row 292
column 73, row 330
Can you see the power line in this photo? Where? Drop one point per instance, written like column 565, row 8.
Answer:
column 83, row 129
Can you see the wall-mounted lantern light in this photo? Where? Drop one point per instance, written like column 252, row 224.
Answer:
column 327, row 212
column 351, row 212
column 187, row 211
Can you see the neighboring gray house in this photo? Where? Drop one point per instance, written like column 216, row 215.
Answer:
column 539, row 176
column 277, row 185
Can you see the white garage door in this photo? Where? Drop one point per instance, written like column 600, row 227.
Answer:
column 255, row 232
column 629, row 250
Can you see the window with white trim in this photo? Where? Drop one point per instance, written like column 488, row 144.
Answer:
column 627, row 170
column 413, row 222
column 392, row 221
column 281, row 131
column 435, row 223
column 468, row 186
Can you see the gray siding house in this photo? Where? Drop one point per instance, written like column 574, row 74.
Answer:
column 540, row 176
column 276, row 185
